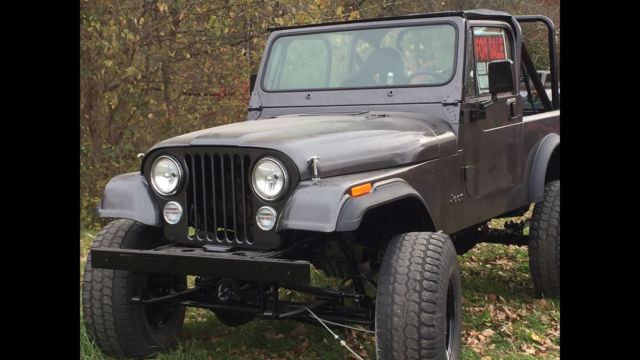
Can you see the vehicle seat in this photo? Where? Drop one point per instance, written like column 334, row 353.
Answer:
column 376, row 67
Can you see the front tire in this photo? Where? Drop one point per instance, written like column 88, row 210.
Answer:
column 544, row 243
column 119, row 326
column 419, row 299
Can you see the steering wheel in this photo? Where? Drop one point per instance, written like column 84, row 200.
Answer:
column 428, row 77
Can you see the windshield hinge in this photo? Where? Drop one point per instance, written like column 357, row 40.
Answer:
column 467, row 172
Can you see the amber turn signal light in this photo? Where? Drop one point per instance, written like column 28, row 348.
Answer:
column 361, row 190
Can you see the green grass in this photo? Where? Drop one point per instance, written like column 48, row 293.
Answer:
column 502, row 320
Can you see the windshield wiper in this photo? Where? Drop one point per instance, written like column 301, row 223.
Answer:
column 333, row 113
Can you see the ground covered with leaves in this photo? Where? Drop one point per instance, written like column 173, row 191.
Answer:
column 502, row 320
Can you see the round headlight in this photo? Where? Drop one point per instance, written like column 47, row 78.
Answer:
column 166, row 174
column 269, row 178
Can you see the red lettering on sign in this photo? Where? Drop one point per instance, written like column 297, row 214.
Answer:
column 489, row 48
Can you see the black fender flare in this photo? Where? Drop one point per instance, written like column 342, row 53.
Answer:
column 328, row 207
column 128, row 196
column 543, row 153
column 382, row 193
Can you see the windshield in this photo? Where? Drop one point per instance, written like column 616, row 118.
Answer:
column 387, row 57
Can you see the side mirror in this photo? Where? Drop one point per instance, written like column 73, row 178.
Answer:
column 500, row 77
column 252, row 82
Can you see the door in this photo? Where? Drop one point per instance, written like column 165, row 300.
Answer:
column 492, row 138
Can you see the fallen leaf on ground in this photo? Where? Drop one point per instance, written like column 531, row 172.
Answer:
column 536, row 338
column 488, row 332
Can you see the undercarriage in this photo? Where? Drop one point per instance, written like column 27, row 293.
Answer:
column 251, row 284
column 247, row 283
column 264, row 301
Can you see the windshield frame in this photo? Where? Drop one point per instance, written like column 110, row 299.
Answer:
column 382, row 25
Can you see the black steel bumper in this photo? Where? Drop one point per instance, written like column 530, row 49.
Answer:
column 247, row 266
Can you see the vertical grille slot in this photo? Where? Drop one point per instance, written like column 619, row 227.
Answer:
column 224, row 188
column 204, row 197
column 217, row 198
column 214, row 212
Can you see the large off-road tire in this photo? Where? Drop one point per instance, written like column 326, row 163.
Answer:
column 544, row 243
column 119, row 326
column 419, row 299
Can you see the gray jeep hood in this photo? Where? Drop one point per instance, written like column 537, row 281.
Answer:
column 345, row 143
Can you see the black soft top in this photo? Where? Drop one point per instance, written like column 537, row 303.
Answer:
column 470, row 14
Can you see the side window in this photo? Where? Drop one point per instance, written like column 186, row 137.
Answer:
column 489, row 44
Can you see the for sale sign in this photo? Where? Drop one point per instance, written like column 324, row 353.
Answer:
column 489, row 48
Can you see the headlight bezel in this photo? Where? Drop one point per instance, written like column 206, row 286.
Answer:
column 282, row 168
column 180, row 175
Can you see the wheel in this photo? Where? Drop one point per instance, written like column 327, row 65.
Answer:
column 419, row 299
column 119, row 326
column 544, row 243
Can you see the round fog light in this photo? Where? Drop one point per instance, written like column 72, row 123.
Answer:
column 266, row 218
column 172, row 212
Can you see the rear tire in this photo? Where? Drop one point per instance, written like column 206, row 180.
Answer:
column 419, row 299
column 544, row 243
column 119, row 326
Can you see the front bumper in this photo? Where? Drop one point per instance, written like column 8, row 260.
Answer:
column 240, row 265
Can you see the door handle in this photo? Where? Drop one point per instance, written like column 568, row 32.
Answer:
column 513, row 109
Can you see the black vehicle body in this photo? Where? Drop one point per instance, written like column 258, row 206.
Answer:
column 437, row 159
